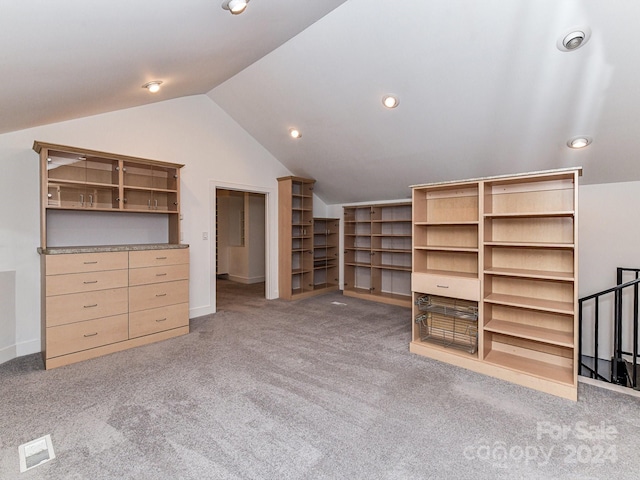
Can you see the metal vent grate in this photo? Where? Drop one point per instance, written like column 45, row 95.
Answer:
column 35, row 452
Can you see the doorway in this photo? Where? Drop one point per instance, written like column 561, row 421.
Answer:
column 240, row 264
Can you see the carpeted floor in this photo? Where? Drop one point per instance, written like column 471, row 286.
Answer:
column 310, row 389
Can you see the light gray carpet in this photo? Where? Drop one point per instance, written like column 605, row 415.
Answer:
column 303, row 390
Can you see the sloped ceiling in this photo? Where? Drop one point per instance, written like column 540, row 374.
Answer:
column 483, row 88
column 72, row 58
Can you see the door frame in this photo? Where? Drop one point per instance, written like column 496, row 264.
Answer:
column 270, row 231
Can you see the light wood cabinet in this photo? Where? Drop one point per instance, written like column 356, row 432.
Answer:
column 377, row 252
column 505, row 247
column 78, row 179
column 102, row 299
column 296, row 237
column 116, row 300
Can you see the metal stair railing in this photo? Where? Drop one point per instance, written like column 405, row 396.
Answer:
column 619, row 373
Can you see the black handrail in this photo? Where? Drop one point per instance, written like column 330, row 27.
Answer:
column 619, row 373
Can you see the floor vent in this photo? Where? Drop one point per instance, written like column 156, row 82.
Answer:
column 36, row 452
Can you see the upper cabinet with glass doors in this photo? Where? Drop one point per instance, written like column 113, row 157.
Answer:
column 80, row 179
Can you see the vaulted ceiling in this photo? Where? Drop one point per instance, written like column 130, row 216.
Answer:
column 483, row 87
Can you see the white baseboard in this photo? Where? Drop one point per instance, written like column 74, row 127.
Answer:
column 28, row 347
column 201, row 311
column 7, row 353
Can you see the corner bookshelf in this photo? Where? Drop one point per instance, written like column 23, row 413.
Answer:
column 377, row 252
column 303, row 250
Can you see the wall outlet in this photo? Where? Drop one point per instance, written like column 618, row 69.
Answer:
column 205, row 235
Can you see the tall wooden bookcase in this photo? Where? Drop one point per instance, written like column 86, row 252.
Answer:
column 305, row 268
column 495, row 272
column 377, row 252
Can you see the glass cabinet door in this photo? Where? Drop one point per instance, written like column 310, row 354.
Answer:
column 75, row 181
column 150, row 188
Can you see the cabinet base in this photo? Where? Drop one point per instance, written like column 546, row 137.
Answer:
column 55, row 362
column 460, row 359
column 390, row 298
column 310, row 293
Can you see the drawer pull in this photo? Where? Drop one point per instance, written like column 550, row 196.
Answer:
column 91, row 306
column 92, row 281
column 90, row 263
column 161, row 274
column 161, row 258
column 161, row 319
column 90, row 334
column 442, row 286
column 161, row 294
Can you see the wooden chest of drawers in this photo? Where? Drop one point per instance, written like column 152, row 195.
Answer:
column 97, row 303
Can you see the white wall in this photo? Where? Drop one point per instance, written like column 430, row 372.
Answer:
column 7, row 316
column 609, row 237
column 189, row 130
column 247, row 262
column 255, row 237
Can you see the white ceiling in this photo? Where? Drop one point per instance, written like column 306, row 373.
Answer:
column 483, row 88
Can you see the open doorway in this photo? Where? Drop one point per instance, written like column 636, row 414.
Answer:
column 240, row 246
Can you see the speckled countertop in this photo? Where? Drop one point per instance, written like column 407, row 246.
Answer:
column 109, row 248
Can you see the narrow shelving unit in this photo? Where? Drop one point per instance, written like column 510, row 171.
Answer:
column 325, row 253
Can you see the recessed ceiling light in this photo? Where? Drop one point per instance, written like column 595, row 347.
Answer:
column 295, row 133
column 153, row 86
column 579, row 142
column 573, row 38
column 236, row 7
column 390, row 101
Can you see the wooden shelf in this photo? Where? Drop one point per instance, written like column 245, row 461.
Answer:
column 528, row 366
column 408, row 220
column 357, row 264
column 387, row 250
column 538, row 274
column 568, row 213
column 530, row 244
column 451, row 223
column 565, row 308
column 531, row 332
column 445, row 248
column 393, row 267
column 57, row 181
column 149, row 189
column 391, row 235
column 445, row 350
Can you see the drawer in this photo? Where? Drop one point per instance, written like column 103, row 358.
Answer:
column 85, row 282
column 142, row 297
column 86, row 262
column 75, row 307
column 155, row 320
column 446, row 286
column 155, row 258
column 75, row 337
column 166, row 273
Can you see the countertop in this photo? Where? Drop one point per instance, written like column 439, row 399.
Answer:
column 109, row 248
